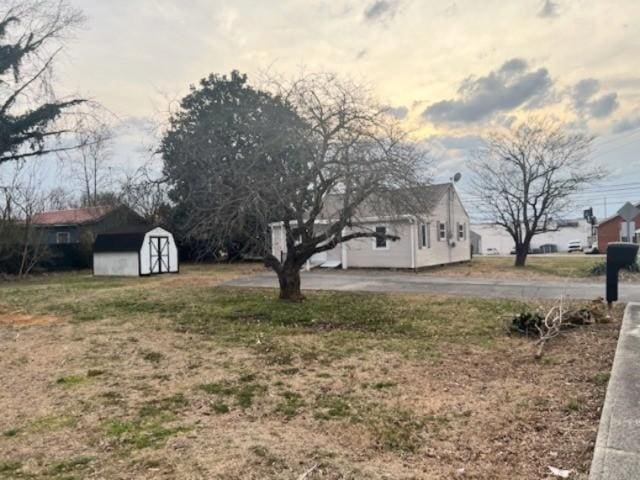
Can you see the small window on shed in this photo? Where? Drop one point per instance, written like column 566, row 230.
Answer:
column 380, row 242
column 63, row 237
column 442, row 231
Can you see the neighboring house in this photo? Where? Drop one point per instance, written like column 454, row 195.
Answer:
column 135, row 252
column 556, row 238
column 614, row 229
column 440, row 235
column 70, row 234
column 73, row 225
column 476, row 243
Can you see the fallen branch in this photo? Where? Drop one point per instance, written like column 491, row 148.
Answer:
column 308, row 472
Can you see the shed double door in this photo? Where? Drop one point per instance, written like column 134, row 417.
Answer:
column 159, row 251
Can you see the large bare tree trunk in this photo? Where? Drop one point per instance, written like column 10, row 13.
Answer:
column 289, row 278
column 521, row 255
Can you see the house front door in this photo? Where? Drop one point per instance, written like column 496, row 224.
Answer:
column 159, row 251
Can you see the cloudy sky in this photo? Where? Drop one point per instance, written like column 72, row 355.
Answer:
column 451, row 69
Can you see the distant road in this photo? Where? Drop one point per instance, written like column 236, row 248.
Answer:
column 412, row 283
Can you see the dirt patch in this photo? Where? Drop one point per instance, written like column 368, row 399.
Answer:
column 22, row 320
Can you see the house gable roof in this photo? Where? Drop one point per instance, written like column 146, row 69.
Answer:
column 613, row 217
column 429, row 195
column 73, row 216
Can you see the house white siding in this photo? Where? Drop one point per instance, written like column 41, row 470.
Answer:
column 450, row 213
column 362, row 252
column 120, row 264
column 406, row 252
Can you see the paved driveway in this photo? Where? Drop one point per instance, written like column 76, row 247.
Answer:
column 412, row 283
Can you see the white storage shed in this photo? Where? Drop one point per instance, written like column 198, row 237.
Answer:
column 133, row 253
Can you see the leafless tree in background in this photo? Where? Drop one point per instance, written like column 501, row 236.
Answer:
column 525, row 177
column 22, row 196
column 89, row 163
column 145, row 193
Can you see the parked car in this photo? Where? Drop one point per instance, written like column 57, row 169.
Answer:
column 574, row 246
column 591, row 249
column 491, row 251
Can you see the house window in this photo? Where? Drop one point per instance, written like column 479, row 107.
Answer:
column 425, row 236
column 442, row 231
column 462, row 231
column 380, row 243
column 63, row 237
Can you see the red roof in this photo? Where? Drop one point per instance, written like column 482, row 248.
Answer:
column 74, row 216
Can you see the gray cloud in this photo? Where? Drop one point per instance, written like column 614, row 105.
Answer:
column 604, row 106
column 381, row 9
column 585, row 103
column 511, row 86
column 397, row 112
column 626, row 125
column 549, row 9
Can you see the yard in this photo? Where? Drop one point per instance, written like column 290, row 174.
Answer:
column 178, row 377
column 578, row 267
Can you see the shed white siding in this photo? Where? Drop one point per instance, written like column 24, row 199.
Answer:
column 145, row 251
column 157, row 253
column 121, row 264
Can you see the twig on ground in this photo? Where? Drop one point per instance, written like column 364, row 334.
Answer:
column 308, row 472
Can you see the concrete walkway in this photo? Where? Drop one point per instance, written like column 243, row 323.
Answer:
column 617, row 452
column 376, row 281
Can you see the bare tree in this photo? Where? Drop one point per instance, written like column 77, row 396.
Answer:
column 32, row 33
column 22, row 196
column 525, row 177
column 89, row 163
column 313, row 155
column 146, row 194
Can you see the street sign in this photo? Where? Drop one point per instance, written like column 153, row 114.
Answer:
column 628, row 212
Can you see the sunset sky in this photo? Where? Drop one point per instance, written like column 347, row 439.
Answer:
column 450, row 69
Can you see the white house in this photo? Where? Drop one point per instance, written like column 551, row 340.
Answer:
column 438, row 236
column 137, row 252
column 560, row 233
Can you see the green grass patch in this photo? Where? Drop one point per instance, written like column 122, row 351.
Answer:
column 243, row 393
column 9, row 466
column 71, row 380
column 12, row 432
column 140, row 433
column 153, row 357
column 290, row 405
column 328, row 407
column 164, row 406
column 52, row 423
column 601, row 378
column 71, row 465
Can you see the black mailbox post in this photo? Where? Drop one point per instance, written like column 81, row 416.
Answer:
column 619, row 255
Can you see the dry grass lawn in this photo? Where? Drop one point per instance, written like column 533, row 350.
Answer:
column 577, row 267
column 177, row 377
